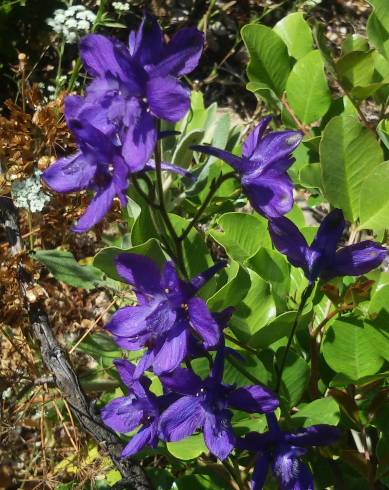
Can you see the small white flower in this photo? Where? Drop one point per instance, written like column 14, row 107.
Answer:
column 28, row 194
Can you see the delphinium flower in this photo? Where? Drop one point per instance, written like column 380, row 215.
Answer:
column 135, row 85
column 72, row 23
column 167, row 315
column 263, row 168
column 283, row 450
column 205, row 404
column 139, row 407
column 98, row 165
column 321, row 258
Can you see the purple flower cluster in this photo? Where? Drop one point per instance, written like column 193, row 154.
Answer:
column 116, row 130
column 115, row 123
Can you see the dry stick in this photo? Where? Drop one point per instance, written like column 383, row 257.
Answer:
column 57, row 362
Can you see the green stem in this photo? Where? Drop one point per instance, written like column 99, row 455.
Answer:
column 163, row 212
column 59, row 67
column 240, row 344
column 306, row 294
column 215, row 184
column 31, row 235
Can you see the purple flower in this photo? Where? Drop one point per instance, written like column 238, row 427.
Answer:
column 205, row 405
column 282, row 450
column 263, row 168
column 139, row 407
column 167, row 315
column 135, row 85
column 97, row 165
column 321, row 259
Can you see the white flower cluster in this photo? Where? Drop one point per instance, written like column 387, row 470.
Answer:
column 121, row 7
column 27, row 193
column 72, row 23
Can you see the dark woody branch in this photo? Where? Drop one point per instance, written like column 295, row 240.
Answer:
column 58, row 364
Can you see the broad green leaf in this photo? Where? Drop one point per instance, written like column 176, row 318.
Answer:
column 295, row 377
column 322, row 411
column 354, row 42
column 269, row 60
column 256, row 309
column 374, row 200
column 356, row 69
column 104, row 259
column 242, row 234
column 189, row 448
column 100, row 346
column 379, row 301
column 378, row 332
column 212, row 481
column 183, row 155
column 348, row 350
column 378, row 26
column 65, row 268
column 310, row 176
column 348, row 151
column 274, row 268
column 294, row 30
column 278, row 328
column 383, row 132
column 235, row 289
column 307, row 88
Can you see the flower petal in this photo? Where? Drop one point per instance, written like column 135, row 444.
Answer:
column 147, row 43
column 168, row 167
column 271, row 197
column 172, row 351
column 168, row 98
column 122, row 414
column 203, row 322
column 97, row 209
column 292, row 474
column 218, row 435
column 328, row 235
column 145, row 362
column 253, row 399
column 237, row 163
column 182, row 418
column 130, row 321
column 260, row 472
column 288, row 240
column 182, row 53
column 139, row 441
column 316, row 435
column 355, row 260
column 275, row 146
column 70, row 174
column 253, row 139
column 140, row 137
column 197, row 282
column 139, row 271
column 182, row 381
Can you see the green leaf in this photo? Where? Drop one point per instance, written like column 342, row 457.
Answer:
column 307, row 88
column 189, row 448
column 269, row 61
column 295, row 377
column 322, row 411
column 348, row 350
column 355, row 69
column 65, row 268
column 183, row 155
column 294, row 30
column 256, row 309
column 374, row 199
column 354, row 42
column 235, row 289
column 348, row 151
column 242, row 235
column 378, row 26
column 202, row 482
column 310, row 176
column 104, row 259
column 383, row 132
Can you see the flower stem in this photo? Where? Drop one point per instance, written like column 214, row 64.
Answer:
column 306, row 294
column 215, row 184
column 162, row 209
